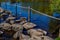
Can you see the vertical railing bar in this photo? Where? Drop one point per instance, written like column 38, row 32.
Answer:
column 16, row 9
column 5, row 4
column 29, row 15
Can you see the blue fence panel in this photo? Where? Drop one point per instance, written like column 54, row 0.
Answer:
column 41, row 20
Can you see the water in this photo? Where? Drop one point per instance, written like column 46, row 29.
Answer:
column 41, row 20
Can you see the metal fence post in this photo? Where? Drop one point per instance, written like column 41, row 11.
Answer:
column 6, row 4
column 29, row 15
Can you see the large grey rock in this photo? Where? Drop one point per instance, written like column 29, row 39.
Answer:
column 23, row 20
column 24, row 37
column 29, row 25
column 10, row 18
column 43, row 31
column 34, row 32
column 16, row 35
column 17, row 27
column 6, row 26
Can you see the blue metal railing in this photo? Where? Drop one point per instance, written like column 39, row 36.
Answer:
column 42, row 21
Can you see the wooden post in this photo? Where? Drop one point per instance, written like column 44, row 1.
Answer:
column 28, row 13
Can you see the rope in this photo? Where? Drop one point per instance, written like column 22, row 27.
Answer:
column 45, row 14
column 37, row 12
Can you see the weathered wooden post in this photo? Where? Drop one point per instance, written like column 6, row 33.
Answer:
column 29, row 14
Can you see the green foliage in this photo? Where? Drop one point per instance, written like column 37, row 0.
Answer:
column 55, row 5
column 57, row 38
column 44, row 6
column 40, row 5
column 1, row 0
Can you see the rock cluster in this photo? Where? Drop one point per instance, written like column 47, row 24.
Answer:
column 18, row 25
